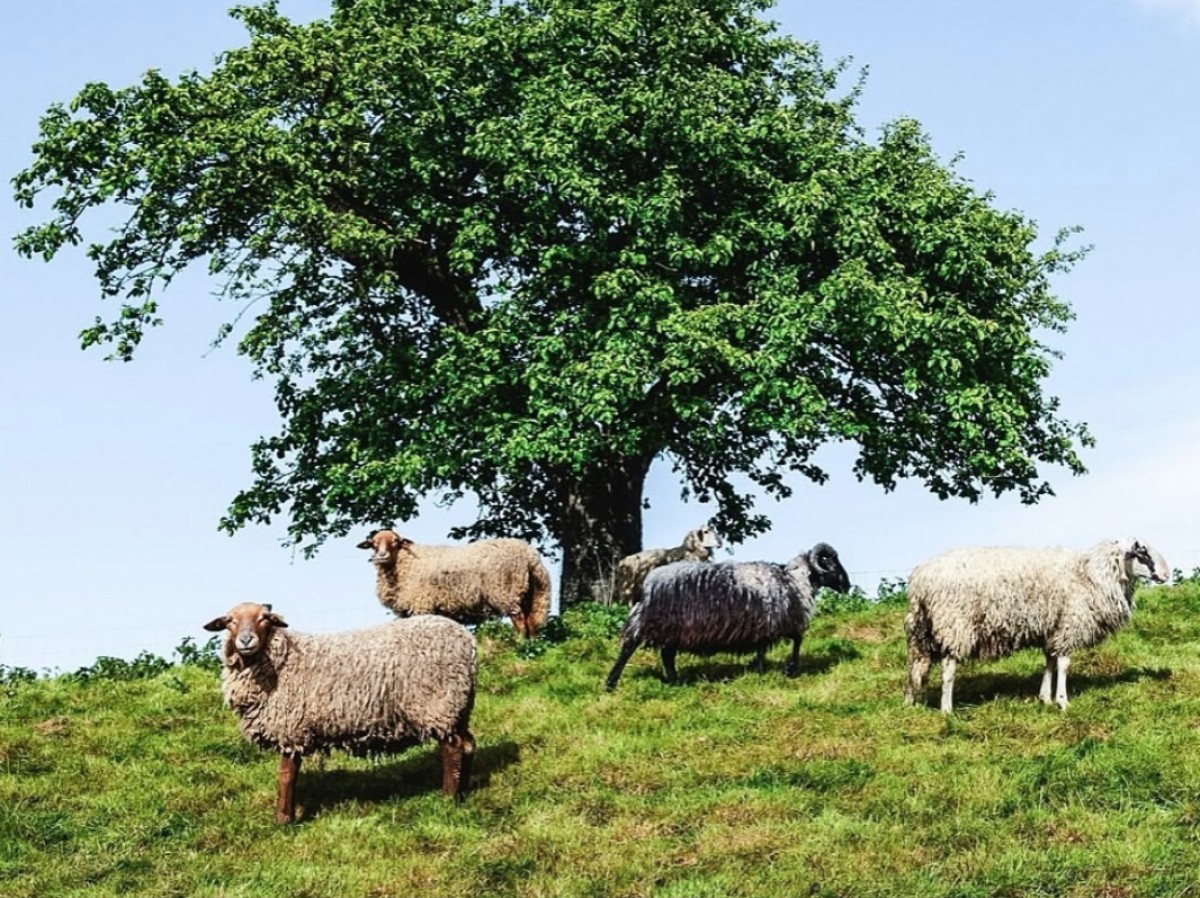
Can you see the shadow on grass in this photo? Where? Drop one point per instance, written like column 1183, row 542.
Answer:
column 981, row 687
column 699, row 669
column 418, row 772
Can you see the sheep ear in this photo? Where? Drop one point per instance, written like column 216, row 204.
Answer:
column 217, row 623
column 276, row 620
column 366, row 544
column 405, row 542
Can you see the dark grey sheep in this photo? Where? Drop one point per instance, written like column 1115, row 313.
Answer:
column 728, row 607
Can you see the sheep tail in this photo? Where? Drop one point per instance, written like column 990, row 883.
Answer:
column 535, row 605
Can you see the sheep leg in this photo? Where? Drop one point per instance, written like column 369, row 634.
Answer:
column 468, row 763
column 289, row 770
column 668, row 663
column 793, row 664
column 948, row 665
column 760, row 659
column 918, row 670
column 1064, row 661
column 627, row 651
column 1047, row 690
column 457, row 752
column 520, row 624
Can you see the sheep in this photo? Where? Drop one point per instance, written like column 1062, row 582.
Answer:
column 989, row 602
column 631, row 570
column 728, row 607
column 377, row 690
column 468, row 583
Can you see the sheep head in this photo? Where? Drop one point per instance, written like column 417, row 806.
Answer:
column 702, row 538
column 827, row 568
column 1143, row 560
column 248, row 628
column 385, row 546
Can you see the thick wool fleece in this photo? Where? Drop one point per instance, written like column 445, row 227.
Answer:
column 724, row 607
column 631, row 571
column 381, row 689
column 469, row 583
column 990, row 602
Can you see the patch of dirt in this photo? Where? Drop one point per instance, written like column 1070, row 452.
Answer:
column 54, row 726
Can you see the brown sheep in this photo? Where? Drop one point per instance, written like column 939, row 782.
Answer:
column 381, row 689
column 698, row 545
column 468, row 583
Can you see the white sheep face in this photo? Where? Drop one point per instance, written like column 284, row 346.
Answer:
column 1143, row 560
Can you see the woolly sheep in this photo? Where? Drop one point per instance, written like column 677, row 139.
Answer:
column 728, row 607
column 989, row 602
column 382, row 689
column 468, row 583
column 631, row 570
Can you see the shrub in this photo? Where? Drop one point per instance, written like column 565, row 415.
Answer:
column 889, row 594
column 106, row 667
column 12, row 675
column 204, row 656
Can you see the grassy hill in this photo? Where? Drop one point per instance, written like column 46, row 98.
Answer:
column 728, row 784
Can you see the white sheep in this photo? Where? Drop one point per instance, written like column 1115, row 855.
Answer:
column 382, row 689
column 989, row 602
column 728, row 607
column 697, row 545
column 468, row 583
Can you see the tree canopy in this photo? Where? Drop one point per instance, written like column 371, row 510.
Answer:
column 519, row 251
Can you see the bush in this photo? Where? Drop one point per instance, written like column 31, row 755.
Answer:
column 1178, row 576
column 594, row 619
column 889, row 594
column 144, row 666
column 587, row 620
column 204, row 656
column 12, row 675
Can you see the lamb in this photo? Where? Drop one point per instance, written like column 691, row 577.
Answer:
column 989, row 602
column 631, row 570
column 728, row 607
column 468, row 583
column 378, row 690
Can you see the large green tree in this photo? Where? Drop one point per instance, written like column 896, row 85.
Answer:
column 519, row 251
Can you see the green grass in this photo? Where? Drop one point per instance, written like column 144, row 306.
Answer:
column 728, row 784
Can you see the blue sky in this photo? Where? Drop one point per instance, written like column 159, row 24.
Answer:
column 1076, row 112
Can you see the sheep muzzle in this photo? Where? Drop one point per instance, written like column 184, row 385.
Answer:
column 247, row 644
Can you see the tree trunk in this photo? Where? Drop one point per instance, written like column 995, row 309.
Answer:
column 601, row 524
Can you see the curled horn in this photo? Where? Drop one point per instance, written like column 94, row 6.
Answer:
column 820, row 557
